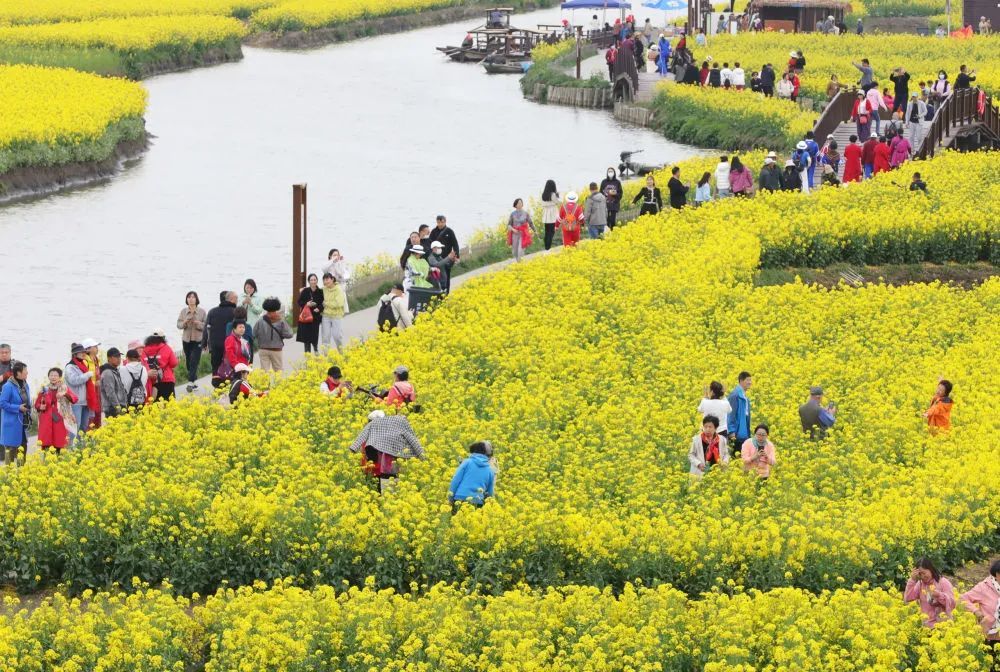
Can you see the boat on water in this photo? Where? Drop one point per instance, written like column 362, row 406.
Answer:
column 504, row 65
column 495, row 37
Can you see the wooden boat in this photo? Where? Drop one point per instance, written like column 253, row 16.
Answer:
column 496, row 36
column 505, row 68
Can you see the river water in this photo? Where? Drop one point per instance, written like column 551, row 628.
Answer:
column 386, row 132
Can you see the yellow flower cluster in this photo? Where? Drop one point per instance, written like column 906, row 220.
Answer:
column 833, row 54
column 57, row 107
column 584, row 368
column 48, row 11
column 727, row 118
column 305, row 14
column 128, row 34
column 544, row 53
column 288, row 629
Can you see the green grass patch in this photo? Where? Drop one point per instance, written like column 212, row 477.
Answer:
column 99, row 149
column 100, row 61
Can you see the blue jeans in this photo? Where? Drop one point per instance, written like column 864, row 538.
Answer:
column 869, row 169
column 82, row 416
column 595, row 231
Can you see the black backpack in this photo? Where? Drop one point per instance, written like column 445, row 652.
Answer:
column 136, row 391
column 386, row 316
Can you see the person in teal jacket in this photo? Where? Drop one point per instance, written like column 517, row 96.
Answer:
column 474, row 479
column 738, row 421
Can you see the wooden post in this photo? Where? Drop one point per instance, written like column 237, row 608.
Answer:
column 579, row 33
column 299, row 243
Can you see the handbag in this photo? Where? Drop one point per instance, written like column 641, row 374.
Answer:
column 225, row 370
column 862, row 119
column 306, row 315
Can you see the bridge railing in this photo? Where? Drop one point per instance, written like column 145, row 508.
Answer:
column 837, row 111
column 961, row 108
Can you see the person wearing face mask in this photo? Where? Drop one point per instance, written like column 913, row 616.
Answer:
column 941, row 89
column 611, row 187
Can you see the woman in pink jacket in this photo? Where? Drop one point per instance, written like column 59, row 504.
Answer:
column 758, row 452
column 984, row 601
column 931, row 591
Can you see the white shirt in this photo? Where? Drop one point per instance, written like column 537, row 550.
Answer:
column 720, row 408
column 722, row 176
column 727, row 75
column 739, row 77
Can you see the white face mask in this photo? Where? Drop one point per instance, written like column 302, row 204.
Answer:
column 611, row 176
column 942, row 77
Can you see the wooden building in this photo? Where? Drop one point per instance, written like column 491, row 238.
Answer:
column 797, row 16
column 973, row 10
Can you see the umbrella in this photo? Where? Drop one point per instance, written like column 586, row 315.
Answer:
column 666, row 5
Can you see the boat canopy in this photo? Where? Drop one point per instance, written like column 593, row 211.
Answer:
column 595, row 4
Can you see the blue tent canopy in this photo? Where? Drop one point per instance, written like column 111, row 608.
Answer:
column 595, row 4
column 666, row 5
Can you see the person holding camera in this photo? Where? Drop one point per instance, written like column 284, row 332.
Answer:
column 815, row 417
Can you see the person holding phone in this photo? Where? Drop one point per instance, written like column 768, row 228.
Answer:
column 815, row 417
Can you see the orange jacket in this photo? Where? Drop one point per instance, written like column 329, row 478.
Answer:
column 939, row 415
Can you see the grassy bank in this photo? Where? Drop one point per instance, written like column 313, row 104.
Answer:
column 549, row 66
column 728, row 119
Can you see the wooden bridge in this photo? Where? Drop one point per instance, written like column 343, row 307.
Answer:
column 967, row 119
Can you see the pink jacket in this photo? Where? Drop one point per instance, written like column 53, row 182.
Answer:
column 900, row 148
column 984, row 597
column 937, row 600
column 875, row 100
column 741, row 182
column 762, row 466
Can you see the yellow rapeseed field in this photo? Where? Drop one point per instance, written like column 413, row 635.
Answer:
column 127, row 35
column 923, row 57
column 48, row 11
column 59, row 110
column 288, row 629
column 585, row 369
column 306, row 14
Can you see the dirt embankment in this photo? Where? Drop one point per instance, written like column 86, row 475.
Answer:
column 32, row 181
column 214, row 56
column 318, row 37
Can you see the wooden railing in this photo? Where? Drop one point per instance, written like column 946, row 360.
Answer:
column 959, row 109
column 837, row 111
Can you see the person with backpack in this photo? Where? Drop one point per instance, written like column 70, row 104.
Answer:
column 272, row 331
column 652, row 201
column 56, row 424
column 383, row 441
column 216, row 329
column 402, row 391
column 474, row 480
column 113, row 392
column 941, row 89
column 801, row 163
column 393, row 311
column 570, row 220
column 135, row 377
column 161, row 360
column 311, row 297
column 611, row 187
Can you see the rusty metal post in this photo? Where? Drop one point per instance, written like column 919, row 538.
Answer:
column 299, row 243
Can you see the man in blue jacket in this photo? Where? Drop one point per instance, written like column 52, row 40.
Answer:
column 473, row 480
column 738, row 421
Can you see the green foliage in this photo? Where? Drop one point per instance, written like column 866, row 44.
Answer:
column 42, row 154
column 100, row 61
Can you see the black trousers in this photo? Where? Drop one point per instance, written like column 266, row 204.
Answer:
column 768, row 90
column 192, row 358
column 550, row 232
column 217, row 354
column 612, row 218
column 163, row 391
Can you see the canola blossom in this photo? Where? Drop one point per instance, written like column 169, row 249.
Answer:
column 581, row 628
column 833, row 54
column 50, row 11
column 305, row 14
column 584, row 368
column 52, row 115
column 127, row 35
column 727, row 118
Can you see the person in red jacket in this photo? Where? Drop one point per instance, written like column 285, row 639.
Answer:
column 868, row 155
column 852, row 161
column 882, row 157
column 161, row 360
column 570, row 220
column 794, row 79
column 237, row 349
column 939, row 414
column 55, row 412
